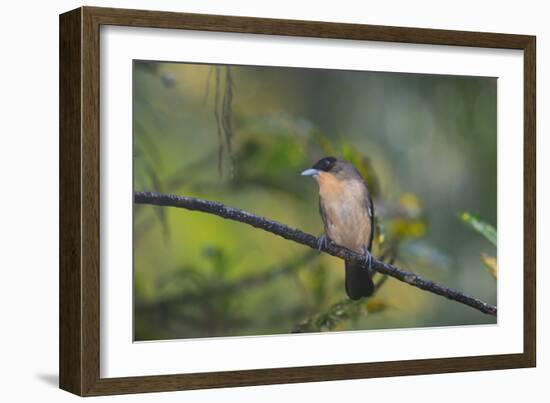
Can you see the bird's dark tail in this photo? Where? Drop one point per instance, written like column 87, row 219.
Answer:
column 358, row 281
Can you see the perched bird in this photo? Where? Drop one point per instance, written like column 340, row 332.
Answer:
column 348, row 213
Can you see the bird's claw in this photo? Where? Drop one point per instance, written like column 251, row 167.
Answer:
column 367, row 258
column 322, row 243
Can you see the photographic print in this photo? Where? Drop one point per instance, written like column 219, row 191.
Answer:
column 250, row 201
column 398, row 168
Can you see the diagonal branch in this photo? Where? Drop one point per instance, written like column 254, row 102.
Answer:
column 295, row 235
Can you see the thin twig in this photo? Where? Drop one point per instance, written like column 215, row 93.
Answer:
column 207, row 85
column 227, row 118
column 218, row 121
column 292, row 234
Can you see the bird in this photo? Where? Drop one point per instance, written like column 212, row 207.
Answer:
column 347, row 211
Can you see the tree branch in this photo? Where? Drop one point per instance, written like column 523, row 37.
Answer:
column 295, row 235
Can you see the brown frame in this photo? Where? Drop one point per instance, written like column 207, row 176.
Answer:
column 79, row 200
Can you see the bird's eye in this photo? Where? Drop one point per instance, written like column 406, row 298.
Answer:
column 325, row 164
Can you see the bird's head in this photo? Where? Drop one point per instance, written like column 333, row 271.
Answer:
column 331, row 168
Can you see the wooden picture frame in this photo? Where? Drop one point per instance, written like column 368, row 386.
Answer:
column 79, row 200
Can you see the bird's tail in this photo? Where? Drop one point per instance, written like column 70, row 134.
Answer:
column 358, row 281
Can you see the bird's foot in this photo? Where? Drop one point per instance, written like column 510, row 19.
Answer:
column 367, row 258
column 322, row 242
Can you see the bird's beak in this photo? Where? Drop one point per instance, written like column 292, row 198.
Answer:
column 310, row 172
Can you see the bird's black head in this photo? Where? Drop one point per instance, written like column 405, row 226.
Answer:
column 334, row 167
column 325, row 164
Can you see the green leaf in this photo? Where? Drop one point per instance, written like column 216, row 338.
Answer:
column 487, row 230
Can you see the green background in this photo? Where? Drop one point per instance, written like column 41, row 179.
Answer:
column 241, row 135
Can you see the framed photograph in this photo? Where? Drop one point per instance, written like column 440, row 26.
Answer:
column 249, row 201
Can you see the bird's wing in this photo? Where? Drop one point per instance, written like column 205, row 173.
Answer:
column 370, row 209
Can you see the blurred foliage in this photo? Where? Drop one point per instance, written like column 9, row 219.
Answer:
column 490, row 233
column 487, row 230
column 426, row 146
column 337, row 315
column 490, row 263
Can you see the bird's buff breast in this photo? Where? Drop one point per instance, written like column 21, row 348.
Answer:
column 346, row 217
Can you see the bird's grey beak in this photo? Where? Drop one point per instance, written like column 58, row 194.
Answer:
column 310, row 172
